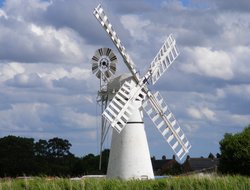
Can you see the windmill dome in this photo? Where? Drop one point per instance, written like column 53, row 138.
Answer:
column 115, row 83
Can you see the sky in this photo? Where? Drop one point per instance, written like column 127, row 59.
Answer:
column 47, row 88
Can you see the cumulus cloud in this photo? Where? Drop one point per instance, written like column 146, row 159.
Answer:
column 31, row 43
column 9, row 70
column 240, row 91
column 241, row 119
column 16, row 119
column 3, row 14
column 204, row 61
column 64, row 40
column 25, row 76
column 26, row 81
column 235, row 28
column 74, row 72
column 201, row 113
column 24, row 37
column 136, row 26
column 78, row 120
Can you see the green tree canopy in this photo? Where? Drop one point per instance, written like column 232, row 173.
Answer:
column 41, row 148
column 22, row 156
column 58, row 148
column 235, row 153
column 16, row 156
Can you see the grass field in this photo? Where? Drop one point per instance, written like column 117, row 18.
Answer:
column 174, row 183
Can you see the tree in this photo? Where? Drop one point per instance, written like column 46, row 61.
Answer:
column 105, row 160
column 211, row 156
column 235, row 153
column 58, row 148
column 91, row 163
column 218, row 155
column 60, row 159
column 41, row 148
column 22, row 156
column 41, row 157
column 175, row 169
column 17, row 156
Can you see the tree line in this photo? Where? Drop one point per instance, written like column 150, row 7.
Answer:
column 21, row 156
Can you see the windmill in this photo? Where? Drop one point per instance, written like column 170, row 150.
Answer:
column 129, row 153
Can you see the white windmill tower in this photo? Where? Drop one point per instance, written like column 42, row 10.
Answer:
column 129, row 154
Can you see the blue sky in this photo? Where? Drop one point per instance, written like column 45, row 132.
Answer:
column 47, row 88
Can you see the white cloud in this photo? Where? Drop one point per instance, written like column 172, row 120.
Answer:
column 171, row 4
column 79, row 120
column 209, row 114
column 65, row 40
column 240, row 57
column 28, row 81
column 3, row 14
column 60, row 72
column 195, row 113
column 201, row 113
column 208, row 62
column 220, row 93
column 191, row 127
column 25, row 40
column 235, row 28
column 9, row 70
column 42, row 75
column 22, row 117
column 79, row 73
column 241, row 90
column 136, row 26
column 25, row 10
column 243, row 120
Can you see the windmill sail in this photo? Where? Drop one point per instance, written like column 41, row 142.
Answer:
column 104, row 21
column 164, row 58
column 120, row 108
column 167, row 125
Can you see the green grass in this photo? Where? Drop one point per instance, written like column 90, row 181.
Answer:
column 175, row 183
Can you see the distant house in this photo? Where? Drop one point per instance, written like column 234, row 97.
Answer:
column 166, row 166
column 209, row 164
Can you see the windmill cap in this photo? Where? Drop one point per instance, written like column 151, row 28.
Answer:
column 115, row 83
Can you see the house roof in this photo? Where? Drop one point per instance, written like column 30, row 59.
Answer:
column 158, row 164
column 202, row 163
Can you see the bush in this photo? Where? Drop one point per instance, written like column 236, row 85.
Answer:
column 235, row 153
